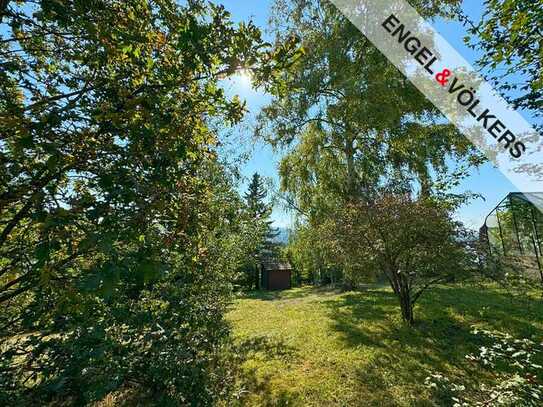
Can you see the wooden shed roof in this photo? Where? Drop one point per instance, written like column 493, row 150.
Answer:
column 278, row 266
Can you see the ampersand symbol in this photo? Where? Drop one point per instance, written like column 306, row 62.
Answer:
column 441, row 77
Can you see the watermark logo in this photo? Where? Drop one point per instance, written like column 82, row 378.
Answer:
column 465, row 96
column 453, row 86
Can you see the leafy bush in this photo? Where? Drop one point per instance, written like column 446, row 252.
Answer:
column 119, row 229
column 161, row 330
column 514, row 365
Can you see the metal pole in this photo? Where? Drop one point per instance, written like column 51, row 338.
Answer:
column 536, row 233
column 538, row 262
column 537, row 246
column 501, row 234
column 516, row 226
column 487, row 233
column 486, row 219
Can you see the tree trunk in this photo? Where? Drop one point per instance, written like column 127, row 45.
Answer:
column 257, row 277
column 407, row 307
column 348, row 282
column 348, row 285
column 425, row 184
column 351, row 174
column 3, row 8
column 401, row 289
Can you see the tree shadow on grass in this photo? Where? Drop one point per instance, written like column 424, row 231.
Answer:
column 497, row 309
column 293, row 293
column 402, row 355
column 353, row 309
column 268, row 347
column 391, row 360
column 253, row 381
column 399, row 356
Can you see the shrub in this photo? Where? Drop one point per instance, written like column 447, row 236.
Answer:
column 513, row 364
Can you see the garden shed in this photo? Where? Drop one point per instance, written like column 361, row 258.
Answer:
column 514, row 231
column 275, row 276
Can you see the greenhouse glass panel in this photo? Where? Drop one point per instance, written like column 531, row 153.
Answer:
column 515, row 227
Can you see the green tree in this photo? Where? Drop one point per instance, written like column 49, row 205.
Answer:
column 349, row 116
column 508, row 36
column 352, row 126
column 255, row 197
column 313, row 259
column 119, row 236
column 413, row 243
column 259, row 212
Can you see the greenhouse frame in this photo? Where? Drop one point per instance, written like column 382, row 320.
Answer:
column 514, row 230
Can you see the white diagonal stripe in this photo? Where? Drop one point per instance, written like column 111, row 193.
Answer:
column 421, row 53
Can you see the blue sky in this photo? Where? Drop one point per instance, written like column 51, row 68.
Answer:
column 486, row 180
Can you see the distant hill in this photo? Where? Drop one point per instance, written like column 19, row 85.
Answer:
column 283, row 235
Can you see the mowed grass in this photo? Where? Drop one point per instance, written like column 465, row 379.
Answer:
column 315, row 347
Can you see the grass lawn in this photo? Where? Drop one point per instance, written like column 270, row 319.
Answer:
column 309, row 346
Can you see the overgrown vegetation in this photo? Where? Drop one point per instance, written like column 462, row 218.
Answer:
column 515, row 368
column 124, row 235
column 263, row 246
column 120, row 230
column 367, row 167
column 315, row 346
column 508, row 35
